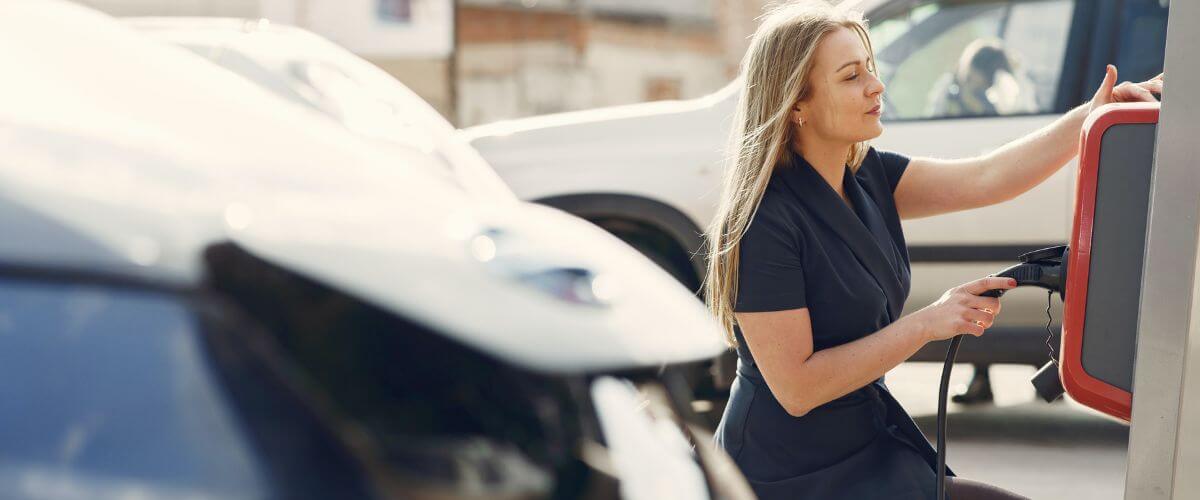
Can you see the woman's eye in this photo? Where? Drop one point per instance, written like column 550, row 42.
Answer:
column 853, row 77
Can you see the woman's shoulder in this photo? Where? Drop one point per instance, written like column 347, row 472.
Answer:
column 779, row 216
column 885, row 158
column 778, row 204
column 885, row 165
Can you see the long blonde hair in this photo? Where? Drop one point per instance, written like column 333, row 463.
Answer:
column 775, row 75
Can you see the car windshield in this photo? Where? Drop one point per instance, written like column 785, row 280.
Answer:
column 110, row 392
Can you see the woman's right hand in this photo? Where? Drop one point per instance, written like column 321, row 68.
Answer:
column 961, row 310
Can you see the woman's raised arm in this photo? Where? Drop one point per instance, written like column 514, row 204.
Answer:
column 931, row 186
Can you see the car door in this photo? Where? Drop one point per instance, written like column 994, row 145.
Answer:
column 962, row 79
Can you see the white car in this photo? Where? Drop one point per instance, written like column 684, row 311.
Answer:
column 209, row 292
column 650, row 173
column 328, row 81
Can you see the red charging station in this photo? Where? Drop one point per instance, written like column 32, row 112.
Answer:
column 1106, row 256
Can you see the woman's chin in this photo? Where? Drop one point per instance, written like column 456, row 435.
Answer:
column 871, row 132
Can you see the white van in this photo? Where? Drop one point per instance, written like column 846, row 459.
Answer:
column 650, row 173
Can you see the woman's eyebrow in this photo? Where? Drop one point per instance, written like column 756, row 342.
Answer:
column 851, row 63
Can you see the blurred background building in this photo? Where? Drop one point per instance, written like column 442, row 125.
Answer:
column 478, row 61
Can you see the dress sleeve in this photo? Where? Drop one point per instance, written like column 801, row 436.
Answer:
column 894, row 165
column 770, row 270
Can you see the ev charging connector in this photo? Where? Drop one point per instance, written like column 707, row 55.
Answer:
column 1044, row 268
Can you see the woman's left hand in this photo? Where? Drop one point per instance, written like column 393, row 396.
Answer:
column 1125, row 92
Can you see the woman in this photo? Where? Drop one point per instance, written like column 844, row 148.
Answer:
column 809, row 272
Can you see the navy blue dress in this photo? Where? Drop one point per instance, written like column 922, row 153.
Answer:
column 849, row 266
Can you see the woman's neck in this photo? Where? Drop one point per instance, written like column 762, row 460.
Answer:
column 828, row 159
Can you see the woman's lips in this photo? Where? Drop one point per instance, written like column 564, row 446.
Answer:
column 874, row 110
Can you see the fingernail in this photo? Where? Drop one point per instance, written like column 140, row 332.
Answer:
column 1012, row 282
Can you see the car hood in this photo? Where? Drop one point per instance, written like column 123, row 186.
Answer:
column 529, row 283
column 645, row 134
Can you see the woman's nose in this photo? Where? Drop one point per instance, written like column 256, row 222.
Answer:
column 876, row 86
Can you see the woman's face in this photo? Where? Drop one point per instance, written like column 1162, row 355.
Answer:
column 845, row 99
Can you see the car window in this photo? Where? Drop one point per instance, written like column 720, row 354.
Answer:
column 1143, row 41
column 947, row 59
column 107, row 393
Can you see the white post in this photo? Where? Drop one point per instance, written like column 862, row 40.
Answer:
column 1163, row 440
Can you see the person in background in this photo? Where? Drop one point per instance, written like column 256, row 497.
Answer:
column 963, row 92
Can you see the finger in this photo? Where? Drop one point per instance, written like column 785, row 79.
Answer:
column 989, row 283
column 1154, row 86
column 1106, row 87
column 970, row 328
column 983, row 303
column 979, row 317
column 1121, row 91
column 1132, row 93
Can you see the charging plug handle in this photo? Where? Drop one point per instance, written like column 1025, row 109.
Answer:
column 1043, row 268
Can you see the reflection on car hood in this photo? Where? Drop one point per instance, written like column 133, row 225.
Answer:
column 490, row 296
column 129, row 156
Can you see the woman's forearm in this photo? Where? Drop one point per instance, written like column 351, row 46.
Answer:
column 1018, row 166
column 834, row 372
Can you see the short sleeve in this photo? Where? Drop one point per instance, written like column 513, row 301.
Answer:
column 770, row 267
column 894, row 165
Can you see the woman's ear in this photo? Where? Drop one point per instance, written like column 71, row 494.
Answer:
column 796, row 116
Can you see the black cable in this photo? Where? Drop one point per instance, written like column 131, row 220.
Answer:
column 1050, row 319
column 944, row 389
column 943, row 394
column 1043, row 268
column 1037, row 269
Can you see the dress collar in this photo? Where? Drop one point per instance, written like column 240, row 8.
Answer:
column 863, row 228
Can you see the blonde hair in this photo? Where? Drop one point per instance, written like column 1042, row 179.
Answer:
column 775, row 75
